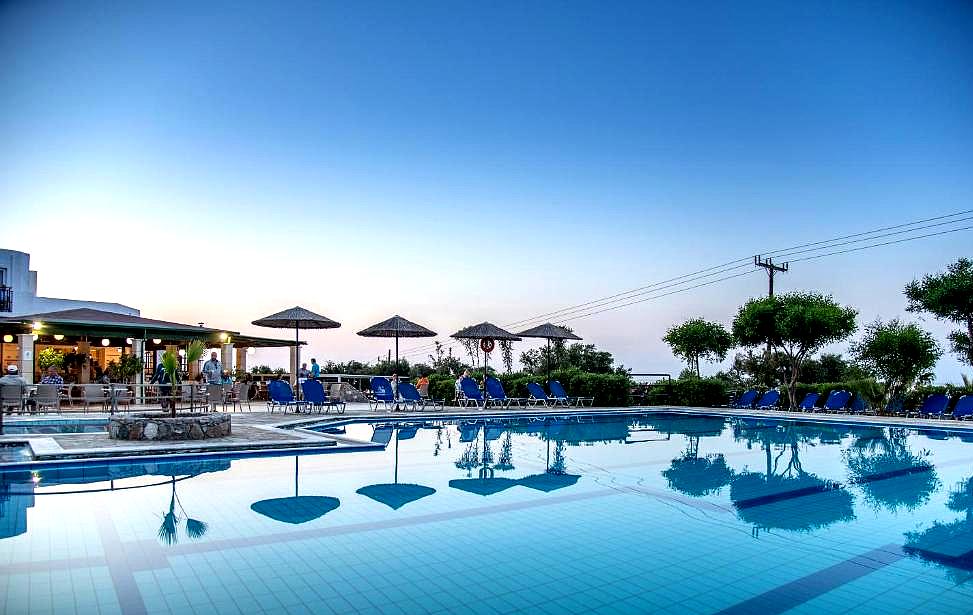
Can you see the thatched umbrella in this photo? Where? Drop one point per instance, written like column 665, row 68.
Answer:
column 297, row 318
column 397, row 327
column 483, row 332
column 396, row 495
column 296, row 509
column 549, row 332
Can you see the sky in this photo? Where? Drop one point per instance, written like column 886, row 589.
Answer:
column 459, row 162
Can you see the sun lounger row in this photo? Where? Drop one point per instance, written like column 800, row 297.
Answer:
column 935, row 405
column 470, row 394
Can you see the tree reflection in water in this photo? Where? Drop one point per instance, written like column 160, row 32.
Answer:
column 949, row 544
column 890, row 475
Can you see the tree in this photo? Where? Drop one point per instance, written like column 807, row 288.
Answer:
column 698, row 339
column 897, row 354
column 948, row 296
column 796, row 324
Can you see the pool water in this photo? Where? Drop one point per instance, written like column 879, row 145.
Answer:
column 661, row 513
column 55, row 427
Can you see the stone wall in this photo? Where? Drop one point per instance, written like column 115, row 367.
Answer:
column 162, row 427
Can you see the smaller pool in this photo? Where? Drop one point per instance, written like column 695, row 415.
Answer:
column 55, row 426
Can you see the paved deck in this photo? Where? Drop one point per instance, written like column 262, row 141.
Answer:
column 264, row 431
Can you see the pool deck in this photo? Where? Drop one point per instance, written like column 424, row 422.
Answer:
column 263, row 432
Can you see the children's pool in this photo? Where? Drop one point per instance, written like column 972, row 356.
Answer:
column 660, row 512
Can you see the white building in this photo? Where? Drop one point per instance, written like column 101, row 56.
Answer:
column 18, row 291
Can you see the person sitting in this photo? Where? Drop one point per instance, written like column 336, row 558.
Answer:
column 227, row 378
column 422, row 385
column 52, row 377
column 13, row 379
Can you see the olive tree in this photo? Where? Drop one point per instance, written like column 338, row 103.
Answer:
column 948, row 296
column 698, row 339
column 897, row 354
column 796, row 325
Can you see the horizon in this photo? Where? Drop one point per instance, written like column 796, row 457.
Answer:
column 457, row 164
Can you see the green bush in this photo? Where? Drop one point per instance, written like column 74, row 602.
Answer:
column 867, row 388
column 702, row 392
column 50, row 357
column 914, row 398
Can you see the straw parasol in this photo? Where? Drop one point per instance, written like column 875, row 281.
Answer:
column 395, row 495
column 485, row 331
column 550, row 332
column 397, row 327
column 296, row 509
column 297, row 318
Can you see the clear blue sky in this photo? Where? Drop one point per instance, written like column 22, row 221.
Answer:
column 376, row 158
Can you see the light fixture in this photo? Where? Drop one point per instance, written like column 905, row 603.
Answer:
column 228, row 339
column 37, row 325
column 128, row 340
column 156, row 341
column 76, row 349
column 58, row 336
column 182, row 352
column 223, row 337
column 105, row 341
column 8, row 338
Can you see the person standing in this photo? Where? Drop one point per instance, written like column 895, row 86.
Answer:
column 315, row 369
column 213, row 370
column 161, row 378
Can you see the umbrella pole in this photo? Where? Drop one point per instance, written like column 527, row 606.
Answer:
column 295, row 474
column 396, row 354
column 297, row 362
column 396, row 456
column 548, row 360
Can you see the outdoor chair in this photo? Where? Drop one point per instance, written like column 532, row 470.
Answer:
column 471, row 393
column 468, row 432
column 896, row 406
column 768, row 400
column 12, row 398
column 409, row 394
column 858, row 405
column 215, row 397
column 123, row 396
column 382, row 393
column 558, row 392
column 48, row 396
column 280, row 395
column 539, row 397
column 188, row 394
column 807, row 404
column 315, row 397
column 239, row 395
column 933, row 405
column 746, row 400
column 963, row 408
column 95, row 394
column 498, row 397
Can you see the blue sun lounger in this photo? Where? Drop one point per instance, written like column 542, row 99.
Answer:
column 498, row 397
column 746, row 400
column 315, row 397
column 858, row 405
column 807, row 404
column 933, row 405
column 382, row 393
column 468, row 431
column 837, row 401
column 539, row 397
column 768, row 400
column 280, row 395
column 963, row 408
column 471, row 393
column 558, row 393
column 409, row 395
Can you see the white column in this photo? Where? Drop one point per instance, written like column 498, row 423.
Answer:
column 25, row 361
column 241, row 359
column 226, row 357
column 294, row 365
column 138, row 349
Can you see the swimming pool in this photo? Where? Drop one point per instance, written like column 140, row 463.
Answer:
column 658, row 512
column 54, row 426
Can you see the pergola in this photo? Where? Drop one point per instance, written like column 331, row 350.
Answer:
column 87, row 329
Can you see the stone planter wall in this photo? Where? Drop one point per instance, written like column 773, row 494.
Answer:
column 162, row 427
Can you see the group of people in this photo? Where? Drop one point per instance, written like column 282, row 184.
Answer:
column 313, row 373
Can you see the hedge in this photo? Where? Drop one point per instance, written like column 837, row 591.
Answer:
column 609, row 390
column 700, row 392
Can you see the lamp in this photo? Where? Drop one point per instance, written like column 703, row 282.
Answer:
column 182, row 352
column 156, row 341
column 58, row 336
column 128, row 340
column 8, row 338
column 105, row 341
column 223, row 337
column 37, row 325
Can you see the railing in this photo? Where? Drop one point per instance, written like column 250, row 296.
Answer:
column 6, row 298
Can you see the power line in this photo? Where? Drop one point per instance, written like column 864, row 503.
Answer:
column 605, row 303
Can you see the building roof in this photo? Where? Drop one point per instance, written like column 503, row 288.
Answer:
column 100, row 323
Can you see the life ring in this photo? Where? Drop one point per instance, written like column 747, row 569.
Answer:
column 487, row 344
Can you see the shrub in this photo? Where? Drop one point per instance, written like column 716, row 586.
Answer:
column 609, row 390
column 705, row 392
column 50, row 357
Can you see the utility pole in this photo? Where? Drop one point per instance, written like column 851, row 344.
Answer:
column 768, row 264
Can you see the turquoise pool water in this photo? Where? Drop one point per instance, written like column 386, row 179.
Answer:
column 661, row 513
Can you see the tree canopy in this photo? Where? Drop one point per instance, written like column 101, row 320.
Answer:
column 698, row 339
column 948, row 296
column 796, row 324
column 896, row 353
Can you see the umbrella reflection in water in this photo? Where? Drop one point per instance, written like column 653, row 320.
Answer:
column 296, row 509
column 395, row 495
